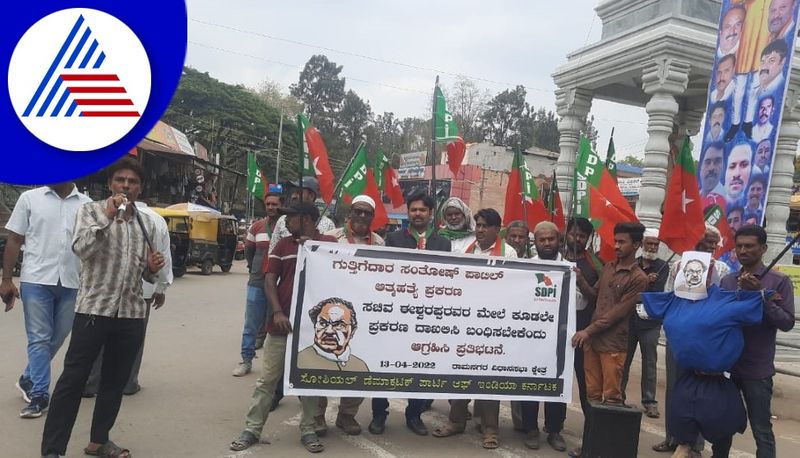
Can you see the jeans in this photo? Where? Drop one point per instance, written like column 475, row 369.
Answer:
column 647, row 340
column 554, row 415
column 757, row 398
column 272, row 375
column 255, row 313
column 122, row 338
column 49, row 311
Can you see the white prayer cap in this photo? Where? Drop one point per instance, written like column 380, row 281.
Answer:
column 651, row 233
column 364, row 198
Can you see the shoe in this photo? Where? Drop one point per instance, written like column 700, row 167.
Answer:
column 133, row 390
column 377, row 425
column 532, row 440
column 36, row 408
column 557, row 442
column 651, row 410
column 731, row 132
column 665, row 446
column 747, row 128
column 417, row 426
column 242, row 369
column 320, row 427
column 682, row 451
column 25, row 385
column 348, row 424
column 575, row 453
column 88, row 394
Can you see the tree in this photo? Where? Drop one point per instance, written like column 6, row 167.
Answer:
column 633, row 160
column 321, row 91
column 589, row 131
column 467, row 102
column 353, row 118
column 385, row 134
column 545, row 131
column 504, row 117
column 272, row 93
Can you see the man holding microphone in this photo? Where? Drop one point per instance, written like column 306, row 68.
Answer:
column 112, row 240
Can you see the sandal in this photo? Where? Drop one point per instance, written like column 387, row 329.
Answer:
column 665, row 446
column 109, row 450
column 448, row 430
column 245, row 440
column 311, row 443
column 490, row 441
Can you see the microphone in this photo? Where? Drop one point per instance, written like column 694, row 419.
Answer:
column 121, row 209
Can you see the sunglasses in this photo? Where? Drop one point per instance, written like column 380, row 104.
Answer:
column 356, row 212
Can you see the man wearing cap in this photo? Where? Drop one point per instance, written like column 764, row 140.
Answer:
column 310, row 191
column 645, row 332
column 279, row 281
column 355, row 232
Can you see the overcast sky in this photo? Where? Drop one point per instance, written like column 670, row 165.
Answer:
column 497, row 44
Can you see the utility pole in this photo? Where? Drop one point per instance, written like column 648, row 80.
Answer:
column 278, row 160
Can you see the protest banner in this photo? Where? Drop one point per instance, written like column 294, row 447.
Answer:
column 389, row 322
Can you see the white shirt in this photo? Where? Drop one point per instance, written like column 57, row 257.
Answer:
column 761, row 132
column 47, row 222
column 725, row 95
column 161, row 244
column 461, row 245
column 510, row 252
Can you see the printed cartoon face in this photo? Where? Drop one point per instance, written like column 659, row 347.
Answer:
column 731, row 29
column 694, row 272
column 737, row 174
column 334, row 328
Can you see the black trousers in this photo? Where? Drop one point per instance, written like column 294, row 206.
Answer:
column 554, row 415
column 380, row 408
column 122, row 339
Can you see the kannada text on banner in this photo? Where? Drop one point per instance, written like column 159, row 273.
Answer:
column 388, row 322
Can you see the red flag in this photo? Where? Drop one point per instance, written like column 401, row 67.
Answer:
column 522, row 188
column 393, row 189
column 456, row 151
column 604, row 211
column 381, row 218
column 315, row 157
column 683, row 223
column 554, row 206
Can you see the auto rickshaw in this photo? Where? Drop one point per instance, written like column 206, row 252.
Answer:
column 201, row 239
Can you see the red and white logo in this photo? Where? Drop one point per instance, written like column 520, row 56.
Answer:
column 79, row 79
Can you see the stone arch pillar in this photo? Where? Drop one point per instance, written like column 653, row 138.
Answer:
column 572, row 106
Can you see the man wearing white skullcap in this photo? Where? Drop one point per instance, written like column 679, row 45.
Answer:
column 645, row 333
column 356, row 232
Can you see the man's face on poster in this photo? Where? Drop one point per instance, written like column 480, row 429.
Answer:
column 717, row 120
column 711, row 168
column 771, row 67
column 755, row 193
column 765, row 109
column 693, row 273
column 763, row 153
column 734, row 219
column 731, row 29
column 334, row 329
column 737, row 174
column 780, row 14
column 724, row 76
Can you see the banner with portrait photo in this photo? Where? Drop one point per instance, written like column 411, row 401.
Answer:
column 388, row 322
column 752, row 63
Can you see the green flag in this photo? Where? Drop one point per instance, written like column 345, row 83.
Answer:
column 354, row 179
column 611, row 165
column 381, row 163
column 446, row 130
column 255, row 180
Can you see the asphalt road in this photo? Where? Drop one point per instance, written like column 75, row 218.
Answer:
column 190, row 405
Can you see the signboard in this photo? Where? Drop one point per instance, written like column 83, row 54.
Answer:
column 745, row 104
column 412, row 165
column 388, row 322
column 629, row 186
column 794, row 273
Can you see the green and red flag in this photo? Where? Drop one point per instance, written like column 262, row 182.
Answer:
column 596, row 196
column 255, row 179
column 315, row 157
column 359, row 179
column 388, row 180
column 446, row 131
column 554, row 206
column 715, row 216
column 611, row 164
column 683, row 222
column 522, row 196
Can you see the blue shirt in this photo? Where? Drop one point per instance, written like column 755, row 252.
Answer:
column 706, row 335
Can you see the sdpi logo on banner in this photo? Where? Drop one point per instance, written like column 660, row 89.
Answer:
column 546, row 288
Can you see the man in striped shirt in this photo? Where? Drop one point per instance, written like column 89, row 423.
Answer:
column 111, row 239
column 257, row 308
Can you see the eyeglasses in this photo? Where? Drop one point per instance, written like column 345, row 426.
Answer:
column 339, row 326
column 357, row 212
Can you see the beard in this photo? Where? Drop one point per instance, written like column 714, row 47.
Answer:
column 650, row 256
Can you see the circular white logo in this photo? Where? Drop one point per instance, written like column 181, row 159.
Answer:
column 79, row 79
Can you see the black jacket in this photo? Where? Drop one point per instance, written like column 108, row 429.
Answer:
column 404, row 239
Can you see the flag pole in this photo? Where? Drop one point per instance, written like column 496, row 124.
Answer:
column 278, row 159
column 433, row 150
column 301, row 160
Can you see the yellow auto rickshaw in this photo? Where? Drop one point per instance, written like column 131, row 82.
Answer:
column 200, row 238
